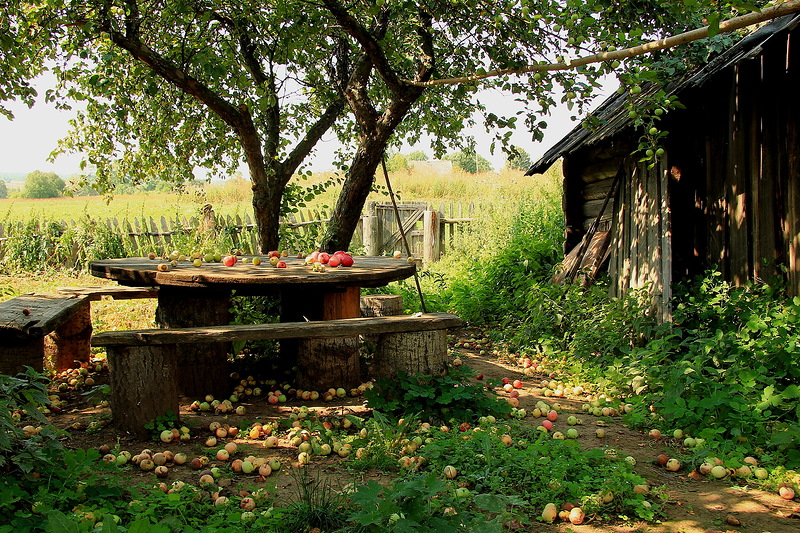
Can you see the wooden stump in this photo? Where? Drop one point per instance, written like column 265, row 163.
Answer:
column 332, row 362
column 202, row 366
column 144, row 385
column 381, row 305
column 419, row 352
column 378, row 305
column 69, row 346
column 16, row 354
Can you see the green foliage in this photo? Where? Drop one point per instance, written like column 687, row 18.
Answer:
column 32, row 246
column 501, row 275
column 23, row 396
column 316, row 504
column 539, row 469
column 167, row 421
column 470, row 162
column 727, row 369
column 397, row 162
column 452, row 397
column 87, row 241
column 40, row 184
column 422, row 503
column 3, row 189
column 518, row 159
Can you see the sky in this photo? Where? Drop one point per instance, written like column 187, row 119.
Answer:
column 26, row 141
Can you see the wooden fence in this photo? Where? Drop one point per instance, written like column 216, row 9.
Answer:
column 430, row 232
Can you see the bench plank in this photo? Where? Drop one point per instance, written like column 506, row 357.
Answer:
column 43, row 330
column 281, row 330
column 117, row 292
column 35, row 315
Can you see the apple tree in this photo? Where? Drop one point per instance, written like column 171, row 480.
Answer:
column 167, row 87
column 428, row 57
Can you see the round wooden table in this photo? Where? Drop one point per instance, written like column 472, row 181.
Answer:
column 200, row 296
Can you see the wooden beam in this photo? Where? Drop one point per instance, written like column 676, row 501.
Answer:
column 281, row 330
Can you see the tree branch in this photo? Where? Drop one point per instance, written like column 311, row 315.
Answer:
column 786, row 8
column 368, row 40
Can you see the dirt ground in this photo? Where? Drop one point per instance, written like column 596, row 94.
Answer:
column 693, row 505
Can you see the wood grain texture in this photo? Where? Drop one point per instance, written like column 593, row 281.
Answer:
column 281, row 330
column 366, row 272
column 35, row 315
column 117, row 292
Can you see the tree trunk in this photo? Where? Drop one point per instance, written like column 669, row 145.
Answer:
column 144, row 385
column 203, row 366
column 357, row 185
column 267, row 197
column 423, row 352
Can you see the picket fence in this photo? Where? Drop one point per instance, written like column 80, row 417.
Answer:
column 430, row 232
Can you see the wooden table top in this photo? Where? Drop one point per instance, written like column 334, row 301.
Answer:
column 365, row 272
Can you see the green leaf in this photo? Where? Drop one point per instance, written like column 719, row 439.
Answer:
column 58, row 522
column 489, row 502
column 713, row 24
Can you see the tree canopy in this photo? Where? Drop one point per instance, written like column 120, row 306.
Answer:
column 173, row 86
column 40, row 184
column 518, row 159
column 471, row 162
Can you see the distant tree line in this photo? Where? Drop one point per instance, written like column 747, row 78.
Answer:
column 468, row 161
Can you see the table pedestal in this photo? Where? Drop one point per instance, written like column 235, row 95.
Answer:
column 323, row 363
column 201, row 368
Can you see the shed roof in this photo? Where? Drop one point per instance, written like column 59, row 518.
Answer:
column 613, row 113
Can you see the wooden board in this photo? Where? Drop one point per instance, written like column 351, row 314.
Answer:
column 366, row 272
column 117, row 292
column 280, row 330
column 35, row 315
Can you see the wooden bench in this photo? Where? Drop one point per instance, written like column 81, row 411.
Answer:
column 117, row 292
column 144, row 369
column 43, row 331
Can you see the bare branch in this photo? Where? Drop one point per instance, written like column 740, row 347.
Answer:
column 786, row 8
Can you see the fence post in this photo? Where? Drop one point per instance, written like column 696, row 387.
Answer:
column 372, row 236
column 430, row 240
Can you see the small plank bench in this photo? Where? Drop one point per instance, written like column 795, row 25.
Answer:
column 144, row 369
column 43, row 331
column 117, row 292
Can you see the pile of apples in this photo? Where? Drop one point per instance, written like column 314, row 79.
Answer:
column 320, row 260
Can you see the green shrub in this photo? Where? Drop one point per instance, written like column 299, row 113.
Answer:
column 538, row 470
column 727, row 369
column 455, row 396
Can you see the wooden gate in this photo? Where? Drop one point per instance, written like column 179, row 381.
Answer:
column 380, row 223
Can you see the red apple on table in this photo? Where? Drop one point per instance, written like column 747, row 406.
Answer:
column 323, row 258
column 347, row 260
column 281, row 264
column 334, row 261
column 229, row 260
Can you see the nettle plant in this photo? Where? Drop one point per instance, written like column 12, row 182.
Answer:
column 726, row 370
column 452, row 397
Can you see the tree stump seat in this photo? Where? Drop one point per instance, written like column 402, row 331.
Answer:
column 44, row 331
column 144, row 363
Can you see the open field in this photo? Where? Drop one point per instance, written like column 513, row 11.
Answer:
column 234, row 197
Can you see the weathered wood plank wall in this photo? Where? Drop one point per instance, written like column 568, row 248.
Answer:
column 735, row 151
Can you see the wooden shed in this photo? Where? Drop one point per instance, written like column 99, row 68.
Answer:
column 726, row 193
